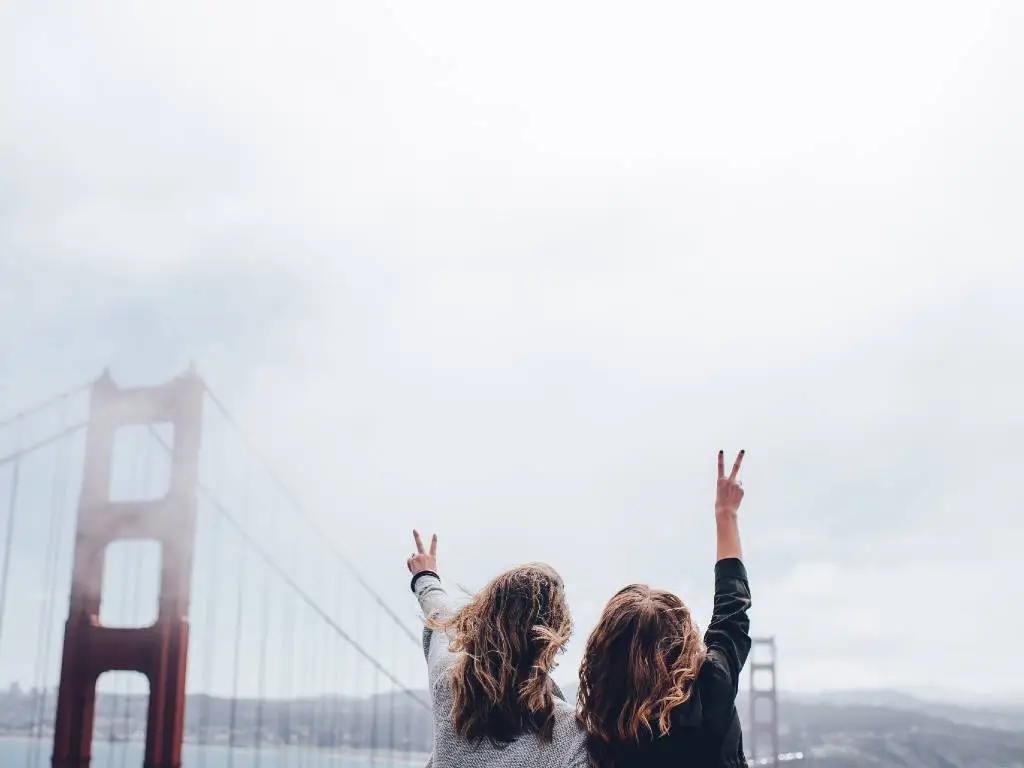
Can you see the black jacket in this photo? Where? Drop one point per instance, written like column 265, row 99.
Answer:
column 705, row 731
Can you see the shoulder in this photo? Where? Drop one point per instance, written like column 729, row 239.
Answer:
column 715, row 687
column 565, row 717
column 714, row 675
column 570, row 740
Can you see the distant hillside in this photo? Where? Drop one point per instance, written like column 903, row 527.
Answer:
column 841, row 735
column 1000, row 716
column 841, row 730
column 888, row 729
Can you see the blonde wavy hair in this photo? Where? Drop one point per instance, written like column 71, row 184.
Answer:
column 640, row 663
column 507, row 638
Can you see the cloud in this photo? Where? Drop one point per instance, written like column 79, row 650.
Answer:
column 517, row 281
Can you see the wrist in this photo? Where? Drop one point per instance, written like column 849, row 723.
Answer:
column 420, row 574
column 725, row 514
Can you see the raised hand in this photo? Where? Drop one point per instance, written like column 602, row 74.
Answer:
column 421, row 560
column 730, row 490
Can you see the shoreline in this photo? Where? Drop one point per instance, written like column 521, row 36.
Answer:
column 413, row 757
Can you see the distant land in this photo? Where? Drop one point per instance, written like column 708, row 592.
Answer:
column 886, row 729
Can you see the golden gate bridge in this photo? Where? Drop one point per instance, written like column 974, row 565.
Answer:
column 212, row 585
column 166, row 598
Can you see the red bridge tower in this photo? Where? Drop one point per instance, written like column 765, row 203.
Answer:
column 159, row 651
column 764, row 720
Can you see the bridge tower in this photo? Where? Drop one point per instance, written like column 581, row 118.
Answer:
column 764, row 720
column 158, row 651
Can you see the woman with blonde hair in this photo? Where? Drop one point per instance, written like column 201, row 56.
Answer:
column 489, row 666
column 652, row 692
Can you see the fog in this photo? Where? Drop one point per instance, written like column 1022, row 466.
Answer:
column 514, row 275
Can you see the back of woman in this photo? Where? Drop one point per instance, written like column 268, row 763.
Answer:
column 652, row 691
column 489, row 666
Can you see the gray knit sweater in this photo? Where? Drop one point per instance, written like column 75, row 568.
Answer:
column 566, row 750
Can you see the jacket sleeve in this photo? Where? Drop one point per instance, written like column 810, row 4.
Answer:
column 435, row 604
column 728, row 635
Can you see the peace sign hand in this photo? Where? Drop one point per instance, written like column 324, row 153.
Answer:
column 730, row 490
column 420, row 560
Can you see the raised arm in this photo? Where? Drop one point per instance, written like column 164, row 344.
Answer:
column 434, row 603
column 728, row 634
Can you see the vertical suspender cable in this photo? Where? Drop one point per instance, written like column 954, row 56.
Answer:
column 315, row 701
column 355, row 726
column 392, row 698
column 209, row 651
column 339, row 674
column 12, row 505
column 239, row 613
column 213, row 587
column 329, row 694
column 288, row 668
column 326, row 676
column 412, row 711
column 331, row 706
column 307, row 706
column 312, row 634
column 262, row 682
column 58, row 484
column 374, row 737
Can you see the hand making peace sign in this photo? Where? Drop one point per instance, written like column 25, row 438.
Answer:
column 420, row 560
column 730, row 490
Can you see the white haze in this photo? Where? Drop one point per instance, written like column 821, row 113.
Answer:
column 513, row 274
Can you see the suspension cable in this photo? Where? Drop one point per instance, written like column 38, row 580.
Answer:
column 269, row 560
column 44, row 404
column 21, row 453
column 305, row 597
column 296, row 504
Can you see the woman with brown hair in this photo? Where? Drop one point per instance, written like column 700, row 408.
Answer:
column 652, row 692
column 489, row 666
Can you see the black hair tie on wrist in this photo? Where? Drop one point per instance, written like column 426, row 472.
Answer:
column 416, row 576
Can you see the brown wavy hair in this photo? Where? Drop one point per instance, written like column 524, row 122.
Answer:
column 507, row 638
column 640, row 663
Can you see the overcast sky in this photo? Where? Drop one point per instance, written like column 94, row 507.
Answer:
column 515, row 275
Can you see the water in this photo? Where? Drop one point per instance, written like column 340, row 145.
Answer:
column 31, row 753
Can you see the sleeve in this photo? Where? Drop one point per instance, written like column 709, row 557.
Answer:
column 435, row 604
column 728, row 635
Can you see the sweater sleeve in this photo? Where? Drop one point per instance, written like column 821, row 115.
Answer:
column 435, row 604
column 728, row 635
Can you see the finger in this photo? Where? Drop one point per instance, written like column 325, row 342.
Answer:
column 736, row 466
column 721, row 464
column 433, row 545
column 419, row 541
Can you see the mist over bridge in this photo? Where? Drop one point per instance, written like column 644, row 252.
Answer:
column 210, row 619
